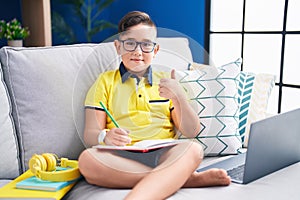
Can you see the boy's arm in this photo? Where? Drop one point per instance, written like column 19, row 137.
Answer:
column 95, row 121
column 185, row 118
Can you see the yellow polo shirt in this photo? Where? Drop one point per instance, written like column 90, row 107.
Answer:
column 135, row 104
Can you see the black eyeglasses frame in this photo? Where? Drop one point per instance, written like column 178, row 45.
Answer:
column 138, row 43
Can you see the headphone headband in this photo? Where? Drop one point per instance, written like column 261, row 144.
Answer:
column 44, row 167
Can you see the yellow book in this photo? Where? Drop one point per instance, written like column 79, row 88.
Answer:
column 10, row 191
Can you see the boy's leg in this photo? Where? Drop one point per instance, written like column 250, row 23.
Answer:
column 108, row 170
column 177, row 167
column 212, row 177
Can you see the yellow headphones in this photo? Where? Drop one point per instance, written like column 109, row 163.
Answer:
column 44, row 167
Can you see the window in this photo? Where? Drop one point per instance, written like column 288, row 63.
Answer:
column 266, row 35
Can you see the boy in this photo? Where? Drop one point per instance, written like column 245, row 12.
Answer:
column 147, row 105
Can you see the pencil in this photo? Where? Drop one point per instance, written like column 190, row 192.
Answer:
column 109, row 115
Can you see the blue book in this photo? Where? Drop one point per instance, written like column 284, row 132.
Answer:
column 34, row 183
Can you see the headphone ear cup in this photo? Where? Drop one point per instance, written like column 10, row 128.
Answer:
column 37, row 163
column 51, row 161
column 45, row 167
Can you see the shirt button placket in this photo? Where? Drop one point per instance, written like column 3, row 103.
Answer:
column 141, row 96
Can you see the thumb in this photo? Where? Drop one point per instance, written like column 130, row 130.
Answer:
column 173, row 74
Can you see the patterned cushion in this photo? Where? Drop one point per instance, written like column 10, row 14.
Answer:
column 213, row 94
column 254, row 91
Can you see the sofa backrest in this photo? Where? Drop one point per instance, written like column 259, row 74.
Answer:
column 41, row 84
column 42, row 95
column 9, row 159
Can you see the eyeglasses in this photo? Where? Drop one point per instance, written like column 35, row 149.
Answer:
column 131, row 45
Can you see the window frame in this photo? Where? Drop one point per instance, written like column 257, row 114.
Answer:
column 281, row 85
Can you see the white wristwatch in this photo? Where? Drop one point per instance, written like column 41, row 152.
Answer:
column 102, row 136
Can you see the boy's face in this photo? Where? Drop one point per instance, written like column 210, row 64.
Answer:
column 135, row 60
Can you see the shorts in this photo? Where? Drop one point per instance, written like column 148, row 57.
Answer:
column 150, row 159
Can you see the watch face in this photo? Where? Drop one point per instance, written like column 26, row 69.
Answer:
column 101, row 136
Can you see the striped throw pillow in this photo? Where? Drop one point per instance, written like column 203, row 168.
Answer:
column 253, row 95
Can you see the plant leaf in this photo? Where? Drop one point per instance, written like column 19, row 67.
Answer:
column 103, row 4
column 100, row 25
column 63, row 30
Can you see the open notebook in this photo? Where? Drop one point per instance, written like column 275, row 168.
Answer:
column 142, row 146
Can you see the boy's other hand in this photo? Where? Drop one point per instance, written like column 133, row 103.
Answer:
column 173, row 74
column 169, row 88
column 117, row 137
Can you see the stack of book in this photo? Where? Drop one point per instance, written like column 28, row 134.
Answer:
column 29, row 186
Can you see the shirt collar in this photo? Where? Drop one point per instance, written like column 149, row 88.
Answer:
column 125, row 74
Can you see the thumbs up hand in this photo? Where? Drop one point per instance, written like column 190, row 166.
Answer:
column 173, row 74
column 169, row 88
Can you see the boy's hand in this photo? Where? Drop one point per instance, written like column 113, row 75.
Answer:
column 169, row 88
column 117, row 137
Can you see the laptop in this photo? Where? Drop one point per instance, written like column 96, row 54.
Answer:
column 273, row 144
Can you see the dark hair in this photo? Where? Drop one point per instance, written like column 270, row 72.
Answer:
column 134, row 18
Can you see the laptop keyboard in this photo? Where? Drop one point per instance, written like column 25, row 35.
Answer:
column 237, row 172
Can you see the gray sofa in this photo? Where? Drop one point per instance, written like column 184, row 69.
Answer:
column 41, row 110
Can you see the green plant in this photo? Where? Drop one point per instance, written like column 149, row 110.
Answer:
column 2, row 28
column 86, row 13
column 13, row 30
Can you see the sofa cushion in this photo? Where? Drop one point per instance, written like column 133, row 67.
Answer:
column 283, row 184
column 9, row 160
column 213, row 94
column 47, row 108
column 254, row 91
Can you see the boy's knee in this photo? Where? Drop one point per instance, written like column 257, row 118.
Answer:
column 197, row 150
column 87, row 167
column 83, row 161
